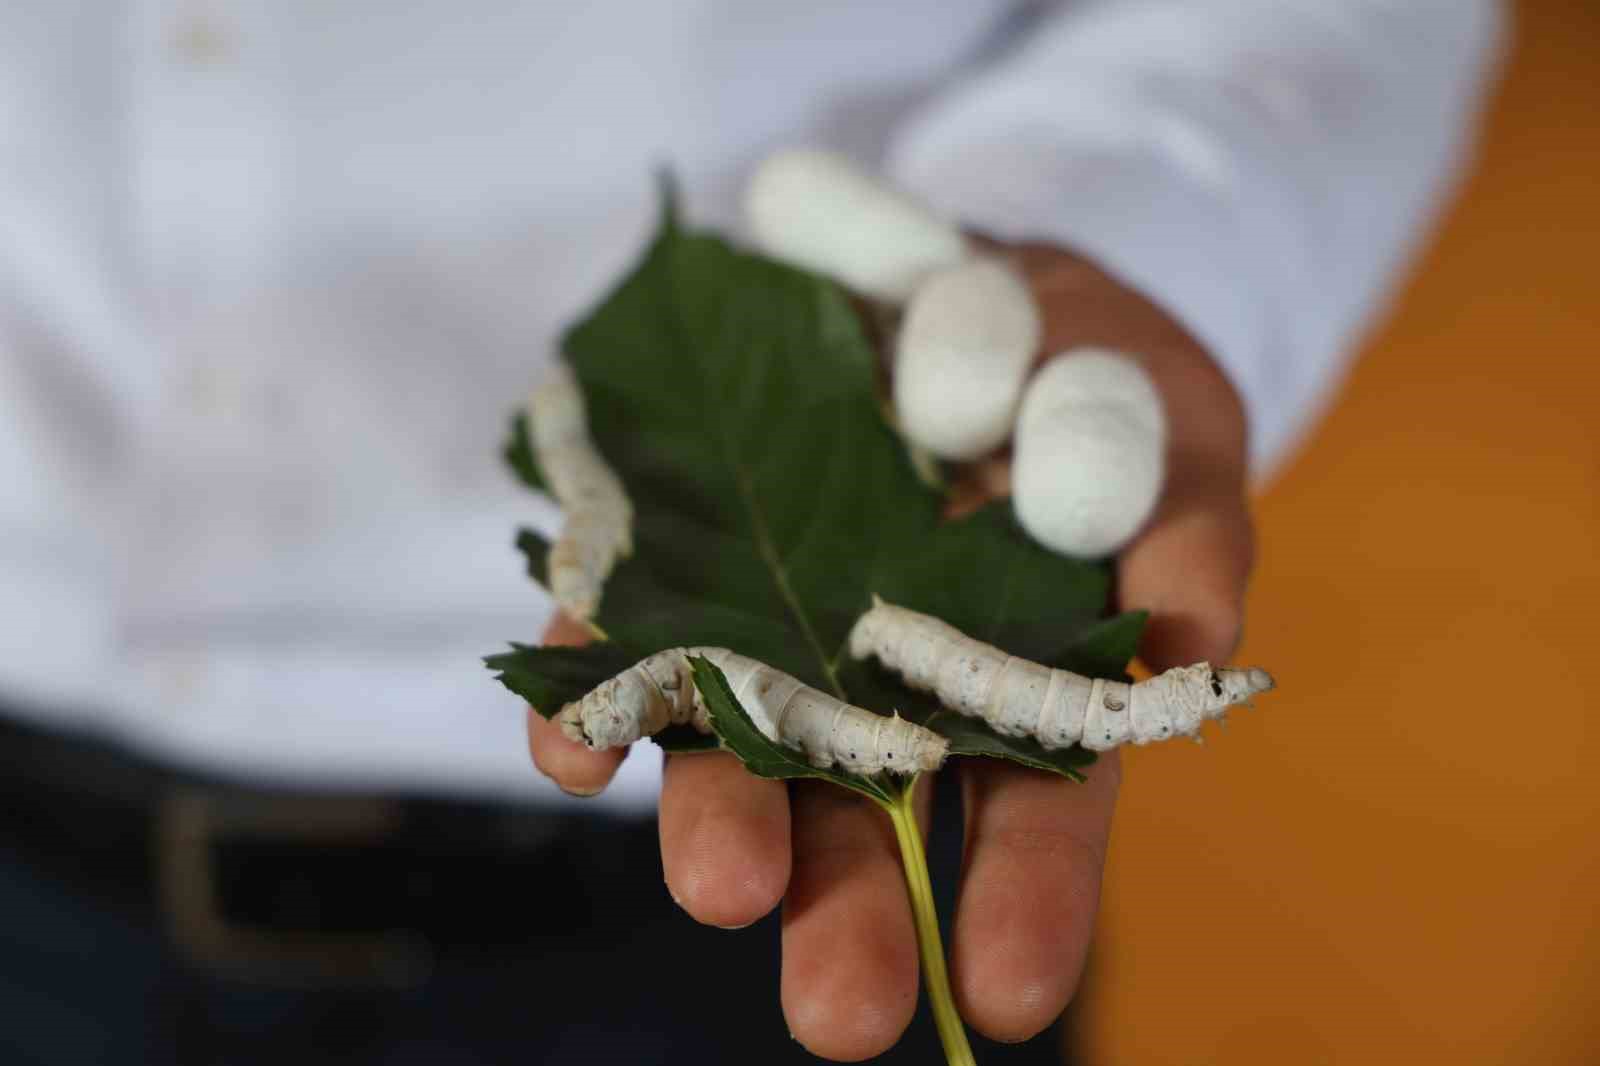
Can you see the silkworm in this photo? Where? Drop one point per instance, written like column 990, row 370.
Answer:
column 1089, row 452
column 818, row 211
column 599, row 518
column 660, row 691
column 1057, row 708
column 965, row 344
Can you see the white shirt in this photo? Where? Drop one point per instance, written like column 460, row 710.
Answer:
column 274, row 272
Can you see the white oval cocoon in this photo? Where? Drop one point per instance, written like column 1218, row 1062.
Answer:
column 1090, row 452
column 818, row 211
column 968, row 337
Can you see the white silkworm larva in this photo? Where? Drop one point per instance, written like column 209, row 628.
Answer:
column 968, row 337
column 1090, row 452
column 599, row 517
column 819, row 211
column 1055, row 707
column 660, row 691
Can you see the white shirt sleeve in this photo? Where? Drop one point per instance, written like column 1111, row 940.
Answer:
column 76, row 386
column 1261, row 168
column 55, row 610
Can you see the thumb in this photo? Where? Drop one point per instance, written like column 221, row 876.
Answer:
column 1190, row 565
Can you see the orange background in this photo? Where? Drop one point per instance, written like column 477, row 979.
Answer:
column 1397, row 857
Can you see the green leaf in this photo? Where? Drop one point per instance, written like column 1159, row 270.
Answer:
column 1104, row 649
column 970, row 736
column 551, row 677
column 762, row 757
column 737, row 399
column 989, row 579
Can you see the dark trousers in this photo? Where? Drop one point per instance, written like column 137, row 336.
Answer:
column 436, row 933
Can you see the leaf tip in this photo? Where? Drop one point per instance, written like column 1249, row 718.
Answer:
column 517, row 452
column 667, row 189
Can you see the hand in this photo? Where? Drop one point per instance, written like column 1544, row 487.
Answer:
column 734, row 845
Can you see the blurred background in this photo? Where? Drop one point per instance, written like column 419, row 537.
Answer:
column 1395, row 860
column 1399, row 861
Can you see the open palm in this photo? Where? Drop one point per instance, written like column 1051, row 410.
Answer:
column 733, row 845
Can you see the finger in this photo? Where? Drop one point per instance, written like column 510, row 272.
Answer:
column 573, row 767
column 566, row 631
column 849, row 948
column 1190, row 565
column 1030, row 887
column 1189, row 570
column 724, row 839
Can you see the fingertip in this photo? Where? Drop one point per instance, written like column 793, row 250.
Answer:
column 1191, row 632
column 849, row 986
column 1011, row 992
column 1190, row 570
column 574, row 768
column 843, row 1016
column 727, row 873
column 566, row 631
column 724, row 840
column 1030, row 890
column 1029, row 1007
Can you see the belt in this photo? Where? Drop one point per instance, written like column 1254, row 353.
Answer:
column 291, row 886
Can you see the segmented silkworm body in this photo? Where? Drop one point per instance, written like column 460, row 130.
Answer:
column 660, row 691
column 598, row 515
column 1056, row 707
column 968, row 337
column 1090, row 452
column 817, row 210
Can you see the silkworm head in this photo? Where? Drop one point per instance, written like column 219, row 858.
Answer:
column 1241, row 683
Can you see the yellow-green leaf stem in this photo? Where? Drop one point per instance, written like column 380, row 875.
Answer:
column 935, row 975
